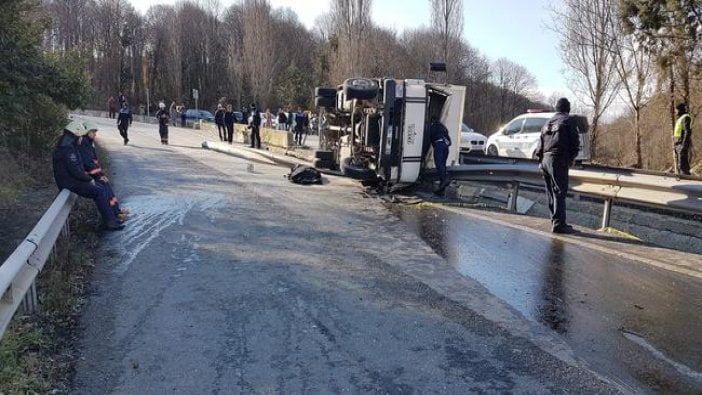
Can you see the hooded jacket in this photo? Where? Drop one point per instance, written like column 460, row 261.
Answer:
column 68, row 163
column 88, row 154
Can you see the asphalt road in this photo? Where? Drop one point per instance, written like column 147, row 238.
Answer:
column 230, row 279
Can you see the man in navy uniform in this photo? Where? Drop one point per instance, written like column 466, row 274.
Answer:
column 440, row 141
column 559, row 144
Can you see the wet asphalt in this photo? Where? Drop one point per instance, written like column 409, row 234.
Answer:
column 230, row 279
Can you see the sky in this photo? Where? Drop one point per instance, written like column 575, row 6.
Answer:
column 514, row 29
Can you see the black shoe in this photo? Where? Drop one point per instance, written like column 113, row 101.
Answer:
column 564, row 229
column 116, row 225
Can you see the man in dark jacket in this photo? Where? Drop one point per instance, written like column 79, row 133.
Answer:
column 70, row 174
column 229, row 120
column 255, row 127
column 682, row 139
column 91, row 164
column 124, row 120
column 440, row 141
column 219, row 121
column 559, row 144
column 163, row 119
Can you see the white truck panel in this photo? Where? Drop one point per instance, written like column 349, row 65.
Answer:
column 413, row 130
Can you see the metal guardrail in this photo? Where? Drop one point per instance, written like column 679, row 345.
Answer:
column 645, row 188
column 18, row 272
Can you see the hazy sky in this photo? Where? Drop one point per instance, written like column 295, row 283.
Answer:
column 514, row 29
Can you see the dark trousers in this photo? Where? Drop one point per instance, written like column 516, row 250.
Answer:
column 100, row 196
column 222, row 132
column 441, row 151
column 111, row 113
column 555, row 170
column 298, row 135
column 182, row 121
column 255, row 137
column 682, row 153
column 123, row 133
column 163, row 132
column 230, row 132
column 112, row 199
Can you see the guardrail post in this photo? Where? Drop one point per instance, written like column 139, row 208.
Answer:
column 30, row 301
column 607, row 213
column 512, row 201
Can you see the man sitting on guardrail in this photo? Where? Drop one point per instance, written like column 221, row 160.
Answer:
column 559, row 144
column 70, row 174
column 91, row 164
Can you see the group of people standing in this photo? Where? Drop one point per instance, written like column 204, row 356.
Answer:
column 225, row 120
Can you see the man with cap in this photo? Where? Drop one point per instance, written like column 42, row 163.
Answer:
column 70, row 174
column 163, row 120
column 559, row 144
column 124, row 120
column 682, row 138
column 255, row 127
column 91, row 164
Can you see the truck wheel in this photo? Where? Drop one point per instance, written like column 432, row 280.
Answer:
column 325, row 92
column 322, row 163
column 492, row 151
column 356, row 172
column 360, row 88
column 325, row 155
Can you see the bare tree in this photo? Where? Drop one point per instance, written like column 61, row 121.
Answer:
column 447, row 22
column 584, row 28
column 514, row 82
column 351, row 21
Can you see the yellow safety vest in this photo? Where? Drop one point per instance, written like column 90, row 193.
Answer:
column 679, row 125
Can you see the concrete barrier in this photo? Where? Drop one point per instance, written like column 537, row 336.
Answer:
column 270, row 137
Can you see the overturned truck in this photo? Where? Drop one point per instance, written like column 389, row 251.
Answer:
column 378, row 129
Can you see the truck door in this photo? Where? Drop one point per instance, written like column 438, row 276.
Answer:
column 390, row 127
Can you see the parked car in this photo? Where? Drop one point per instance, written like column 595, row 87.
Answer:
column 193, row 115
column 238, row 117
column 519, row 138
column 472, row 143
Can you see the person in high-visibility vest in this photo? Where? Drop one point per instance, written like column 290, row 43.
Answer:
column 682, row 138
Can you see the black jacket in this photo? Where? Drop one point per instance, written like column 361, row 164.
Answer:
column 163, row 118
column 88, row 154
column 229, row 118
column 68, row 163
column 219, row 117
column 439, row 134
column 125, row 117
column 256, row 119
column 559, row 137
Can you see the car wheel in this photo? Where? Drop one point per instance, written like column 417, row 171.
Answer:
column 356, row 172
column 492, row 151
column 360, row 88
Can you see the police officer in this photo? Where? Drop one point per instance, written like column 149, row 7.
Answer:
column 91, row 164
column 254, row 126
column 440, row 141
column 163, row 120
column 70, row 174
column 558, row 146
column 124, row 120
column 682, row 138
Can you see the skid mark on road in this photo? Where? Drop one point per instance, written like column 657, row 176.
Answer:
column 150, row 215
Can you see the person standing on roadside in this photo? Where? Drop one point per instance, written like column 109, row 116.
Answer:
column 282, row 120
column 173, row 113
column 557, row 149
column 124, row 120
column 682, row 139
column 269, row 118
column 163, row 120
column 219, row 120
column 183, row 116
column 122, row 99
column 229, row 123
column 111, row 107
column 70, row 174
column 255, row 126
column 440, row 142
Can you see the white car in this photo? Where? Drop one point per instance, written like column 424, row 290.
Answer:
column 519, row 138
column 472, row 143
column 274, row 120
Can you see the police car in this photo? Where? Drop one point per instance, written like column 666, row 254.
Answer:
column 519, row 137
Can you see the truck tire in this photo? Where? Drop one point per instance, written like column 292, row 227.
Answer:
column 356, row 172
column 326, row 102
column 325, row 92
column 360, row 88
column 323, row 164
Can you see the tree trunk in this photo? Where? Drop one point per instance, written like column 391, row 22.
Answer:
column 637, row 138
